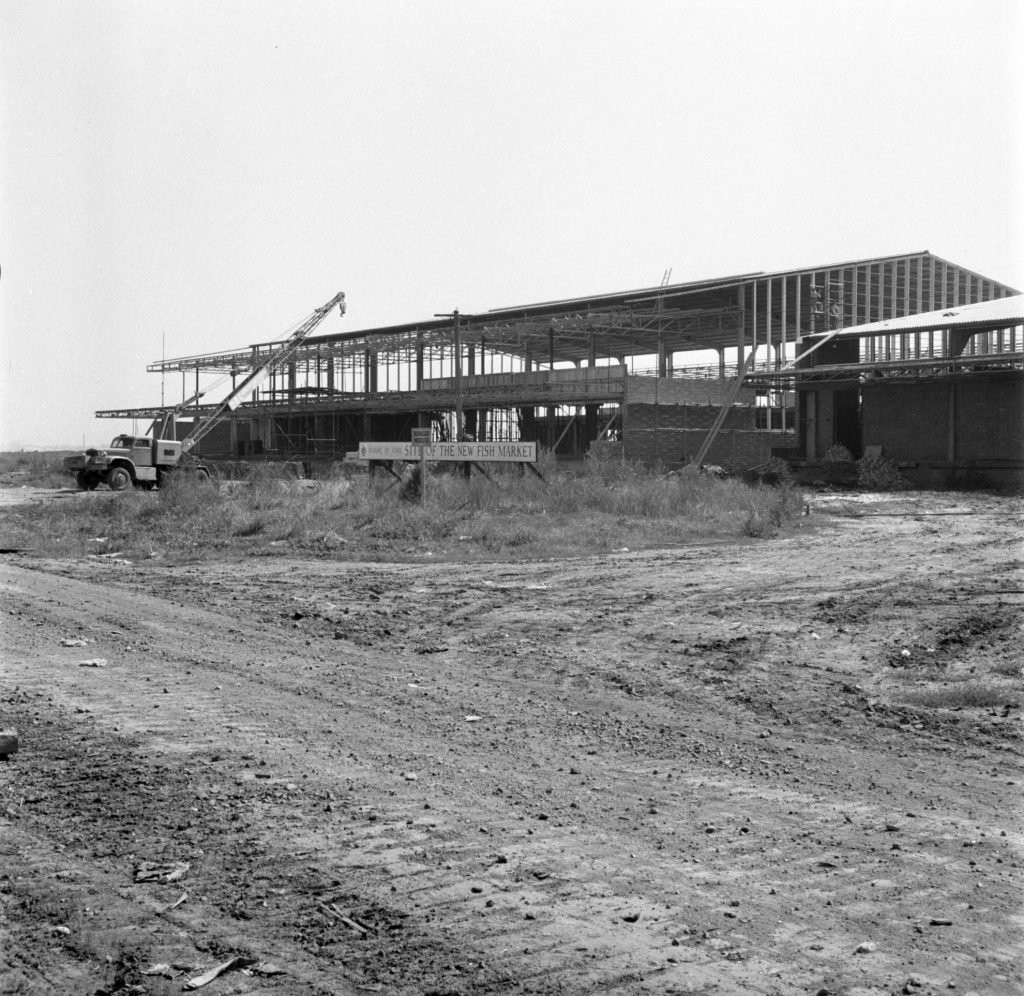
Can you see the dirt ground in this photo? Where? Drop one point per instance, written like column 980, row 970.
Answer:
column 692, row 771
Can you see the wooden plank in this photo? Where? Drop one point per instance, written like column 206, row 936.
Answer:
column 568, row 426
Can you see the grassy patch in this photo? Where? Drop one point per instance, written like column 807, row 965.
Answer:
column 1009, row 669
column 606, row 507
column 963, row 695
column 35, row 469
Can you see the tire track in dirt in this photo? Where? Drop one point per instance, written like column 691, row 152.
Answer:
column 658, row 803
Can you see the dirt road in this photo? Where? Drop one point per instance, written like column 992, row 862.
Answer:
column 693, row 771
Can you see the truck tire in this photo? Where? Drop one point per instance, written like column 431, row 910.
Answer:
column 118, row 479
column 202, row 474
column 87, row 482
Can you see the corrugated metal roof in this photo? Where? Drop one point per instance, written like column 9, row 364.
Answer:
column 997, row 313
column 692, row 286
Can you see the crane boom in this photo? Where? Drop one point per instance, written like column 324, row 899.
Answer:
column 260, row 373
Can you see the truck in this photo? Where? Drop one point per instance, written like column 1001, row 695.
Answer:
column 130, row 461
column 144, row 461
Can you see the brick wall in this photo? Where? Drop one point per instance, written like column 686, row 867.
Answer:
column 683, row 391
column 911, row 421
column 990, row 419
column 640, row 417
column 672, row 434
column 734, row 449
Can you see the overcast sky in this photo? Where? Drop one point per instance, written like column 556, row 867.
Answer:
column 209, row 172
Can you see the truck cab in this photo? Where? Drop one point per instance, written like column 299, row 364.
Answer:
column 138, row 449
column 129, row 461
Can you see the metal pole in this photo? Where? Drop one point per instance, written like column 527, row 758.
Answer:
column 457, row 349
column 458, row 377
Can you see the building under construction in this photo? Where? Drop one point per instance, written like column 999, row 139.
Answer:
column 909, row 353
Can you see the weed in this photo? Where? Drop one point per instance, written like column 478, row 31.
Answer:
column 878, row 473
column 35, row 468
column 253, row 526
column 962, row 695
column 757, row 526
column 1009, row 669
column 838, row 453
column 599, row 507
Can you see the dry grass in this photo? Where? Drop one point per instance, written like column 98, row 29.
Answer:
column 606, row 507
column 878, row 473
column 35, row 468
column 964, row 695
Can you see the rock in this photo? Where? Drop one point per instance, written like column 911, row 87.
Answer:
column 865, row 947
column 8, row 743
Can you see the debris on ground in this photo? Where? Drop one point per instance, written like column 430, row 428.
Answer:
column 150, row 871
column 228, row 966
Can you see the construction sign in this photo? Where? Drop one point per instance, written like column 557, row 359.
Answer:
column 439, row 452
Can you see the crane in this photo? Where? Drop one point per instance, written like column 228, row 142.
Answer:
column 258, row 375
column 142, row 461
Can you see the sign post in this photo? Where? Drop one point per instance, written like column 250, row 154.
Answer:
column 421, row 438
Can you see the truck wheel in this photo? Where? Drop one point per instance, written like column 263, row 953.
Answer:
column 86, row 481
column 202, row 474
column 118, row 479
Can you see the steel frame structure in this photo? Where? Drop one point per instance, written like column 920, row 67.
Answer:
column 411, row 368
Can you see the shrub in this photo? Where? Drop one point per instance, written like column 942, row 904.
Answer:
column 777, row 471
column 837, row 453
column 878, row 473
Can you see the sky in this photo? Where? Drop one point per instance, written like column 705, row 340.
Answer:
column 184, row 176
